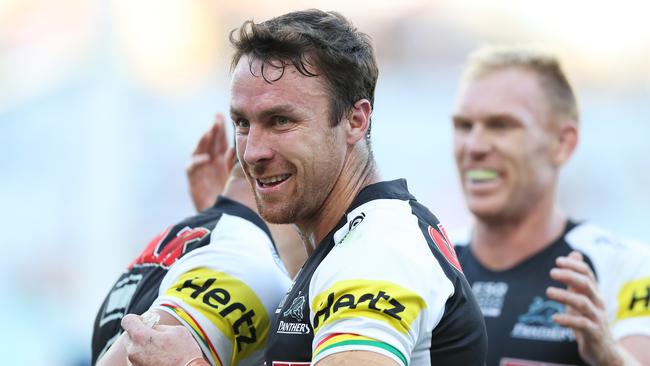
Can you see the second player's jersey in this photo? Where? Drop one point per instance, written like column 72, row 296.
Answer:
column 384, row 280
column 217, row 273
column 518, row 314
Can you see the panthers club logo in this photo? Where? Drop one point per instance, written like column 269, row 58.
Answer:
column 538, row 323
column 295, row 310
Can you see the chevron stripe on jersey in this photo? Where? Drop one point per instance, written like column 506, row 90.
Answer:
column 353, row 342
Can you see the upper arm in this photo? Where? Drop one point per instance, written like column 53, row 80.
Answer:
column 225, row 293
column 354, row 358
column 638, row 347
column 222, row 312
column 374, row 295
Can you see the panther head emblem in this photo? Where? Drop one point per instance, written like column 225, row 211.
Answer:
column 295, row 310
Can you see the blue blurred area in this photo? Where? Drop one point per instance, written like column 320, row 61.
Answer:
column 93, row 161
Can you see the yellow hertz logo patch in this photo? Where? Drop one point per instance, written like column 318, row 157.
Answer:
column 634, row 299
column 379, row 300
column 228, row 303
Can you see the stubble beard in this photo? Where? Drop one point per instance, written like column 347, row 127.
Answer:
column 279, row 213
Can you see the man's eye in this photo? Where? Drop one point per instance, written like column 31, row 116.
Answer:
column 500, row 124
column 463, row 125
column 242, row 123
column 281, row 121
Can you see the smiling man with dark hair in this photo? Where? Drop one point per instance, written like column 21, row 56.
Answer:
column 381, row 285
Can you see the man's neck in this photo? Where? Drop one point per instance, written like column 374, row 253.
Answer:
column 503, row 245
column 358, row 172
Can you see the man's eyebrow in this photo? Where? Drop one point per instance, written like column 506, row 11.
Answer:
column 459, row 119
column 501, row 117
column 278, row 109
column 234, row 112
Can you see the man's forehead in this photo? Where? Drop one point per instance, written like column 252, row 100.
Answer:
column 510, row 80
column 269, row 70
column 501, row 87
column 285, row 92
column 260, row 76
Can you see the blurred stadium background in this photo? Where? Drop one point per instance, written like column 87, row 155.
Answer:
column 101, row 102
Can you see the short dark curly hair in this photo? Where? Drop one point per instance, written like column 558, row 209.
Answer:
column 316, row 43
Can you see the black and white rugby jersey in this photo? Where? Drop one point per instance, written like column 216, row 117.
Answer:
column 518, row 313
column 218, row 273
column 384, row 280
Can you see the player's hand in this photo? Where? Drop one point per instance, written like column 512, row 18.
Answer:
column 209, row 168
column 161, row 345
column 585, row 310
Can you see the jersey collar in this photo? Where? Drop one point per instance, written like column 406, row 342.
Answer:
column 394, row 189
column 234, row 208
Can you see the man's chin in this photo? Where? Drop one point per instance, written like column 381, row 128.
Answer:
column 277, row 215
column 485, row 210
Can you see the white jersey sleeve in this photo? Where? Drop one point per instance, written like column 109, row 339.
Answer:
column 623, row 275
column 226, row 291
column 374, row 290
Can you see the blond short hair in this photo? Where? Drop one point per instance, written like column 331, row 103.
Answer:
column 553, row 80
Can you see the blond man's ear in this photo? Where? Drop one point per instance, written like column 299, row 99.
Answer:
column 567, row 141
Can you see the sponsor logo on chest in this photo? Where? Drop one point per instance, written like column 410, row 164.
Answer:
column 291, row 321
column 490, row 297
column 538, row 324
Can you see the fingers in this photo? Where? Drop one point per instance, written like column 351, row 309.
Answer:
column 578, row 302
column 203, row 146
column 576, row 254
column 219, row 141
column 574, row 280
column 576, row 322
column 137, row 330
column 574, row 261
column 214, row 142
column 197, row 161
column 578, row 277
column 230, row 157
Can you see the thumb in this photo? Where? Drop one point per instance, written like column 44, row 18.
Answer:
column 135, row 328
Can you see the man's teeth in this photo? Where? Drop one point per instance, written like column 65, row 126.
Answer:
column 481, row 174
column 277, row 178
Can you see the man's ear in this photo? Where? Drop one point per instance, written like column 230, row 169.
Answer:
column 358, row 121
column 567, row 140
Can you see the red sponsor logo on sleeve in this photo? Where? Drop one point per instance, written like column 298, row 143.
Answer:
column 164, row 251
column 443, row 244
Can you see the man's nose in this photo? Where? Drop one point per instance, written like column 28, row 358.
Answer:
column 478, row 141
column 257, row 145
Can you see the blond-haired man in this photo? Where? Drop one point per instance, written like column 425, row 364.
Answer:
column 553, row 291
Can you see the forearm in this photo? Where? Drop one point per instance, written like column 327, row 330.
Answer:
column 116, row 354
